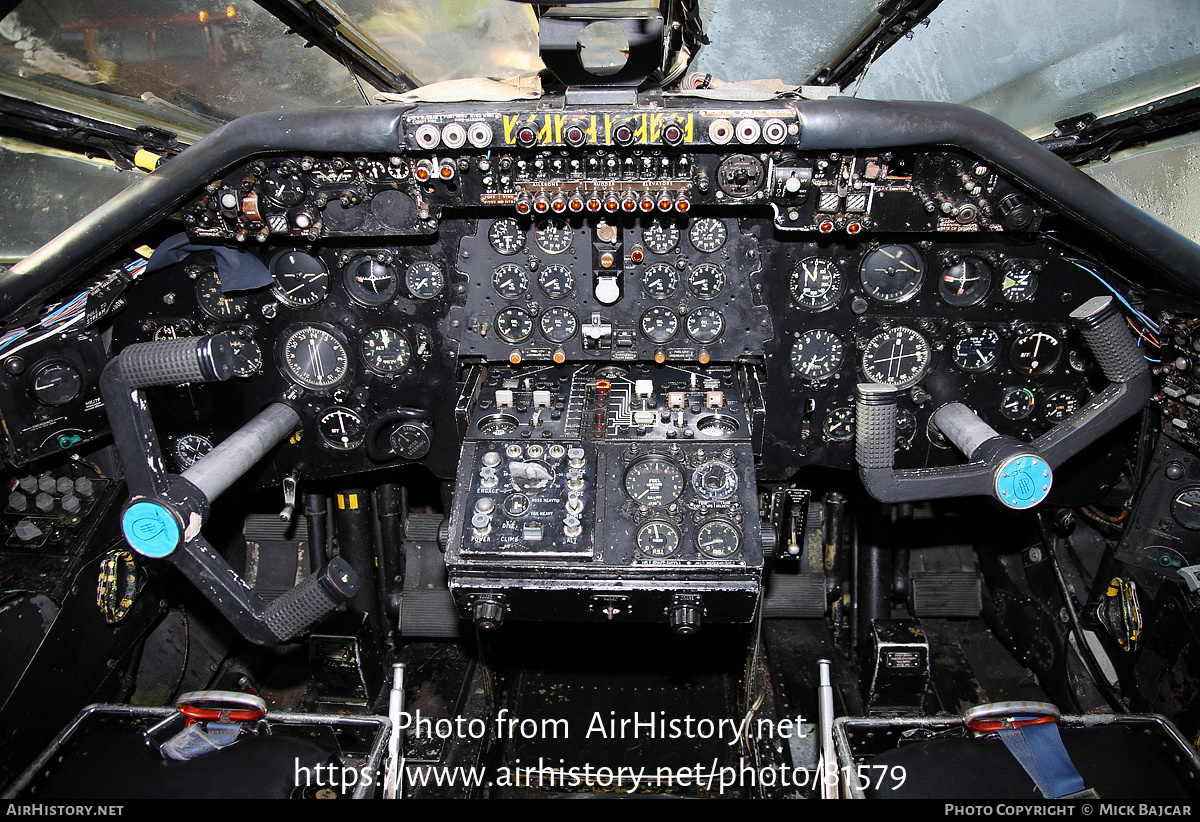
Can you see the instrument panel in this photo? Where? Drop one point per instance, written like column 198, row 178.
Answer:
column 392, row 283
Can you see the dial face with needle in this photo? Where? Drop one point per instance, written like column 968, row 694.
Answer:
column 817, row 354
column 658, row 539
column 892, row 273
column 1035, row 353
column 341, row 428
column 654, row 481
column 301, row 280
column 965, row 283
column 1185, row 508
column 314, row 358
column 816, row 283
column 896, row 357
column 976, row 352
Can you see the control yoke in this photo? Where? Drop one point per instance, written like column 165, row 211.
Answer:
column 165, row 512
column 1016, row 473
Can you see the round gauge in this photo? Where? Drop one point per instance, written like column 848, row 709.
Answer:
column 718, row 539
column 510, row 281
column 898, row 356
column 660, row 280
column 556, row 281
column 660, row 324
column 371, row 282
column 56, row 383
column 654, row 481
column 341, row 428
column 704, row 325
column 1035, row 353
column 247, row 357
column 301, row 280
column 497, row 425
column 1081, row 360
column 892, row 273
column 816, row 283
column 410, row 440
column 1017, row 402
column 1018, row 281
column 715, row 479
column 514, row 324
column 717, row 425
column 965, row 283
column 976, row 352
column 506, row 236
column 1186, row 508
column 1060, row 405
column 660, row 236
column 385, row 351
column 558, row 324
column 839, row 425
column 707, row 234
column 553, row 236
column 314, row 358
column 190, row 448
column 740, row 175
column 817, row 354
column 283, row 187
column 706, row 280
column 658, row 539
column 215, row 303
column 424, row 280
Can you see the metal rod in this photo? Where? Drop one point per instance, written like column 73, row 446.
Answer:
column 225, row 464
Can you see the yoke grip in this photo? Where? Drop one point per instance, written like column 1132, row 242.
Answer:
column 175, row 362
column 312, row 599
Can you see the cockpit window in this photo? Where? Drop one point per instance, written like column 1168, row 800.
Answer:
column 214, row 60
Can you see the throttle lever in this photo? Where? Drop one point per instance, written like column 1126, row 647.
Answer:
column 165, row 511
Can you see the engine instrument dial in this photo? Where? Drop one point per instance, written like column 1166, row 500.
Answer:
column 556, row 281
column 898, row 356
column 284, row 187
column 704, row 325
column 301, row 280
column 424, row 280
column 553, row 235
column 892, row 273
column 654, row 481
column 816, row 283
column 817, row 354
column 1059, row 405
column 706, row 280
column 707, row 234
column 314, row 357
column 1017, row 402
column 558, row 324
column 510, row 281
column 660, row 280
column 718, row 539
column 660, row 324
column 658, row 539
column 839, row 425
column 514, row 324
column 506, row 236
column 660, row 236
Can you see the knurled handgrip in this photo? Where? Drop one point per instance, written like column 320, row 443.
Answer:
column 874, row 425
column 1107, row 335
column 312, row 599
column 175, row 362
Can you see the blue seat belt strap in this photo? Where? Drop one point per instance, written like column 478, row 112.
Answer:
column 1039, row 749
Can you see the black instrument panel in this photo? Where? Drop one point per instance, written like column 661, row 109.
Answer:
column 396, row 281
